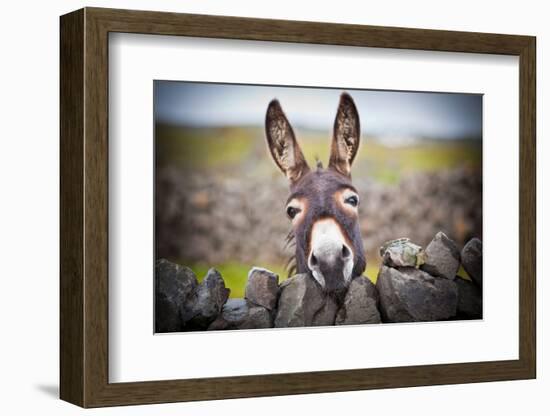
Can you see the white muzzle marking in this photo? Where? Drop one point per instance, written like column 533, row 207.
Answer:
column 328, row 245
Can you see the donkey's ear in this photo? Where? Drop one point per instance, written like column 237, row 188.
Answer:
column 346, row 136
column 282, row 143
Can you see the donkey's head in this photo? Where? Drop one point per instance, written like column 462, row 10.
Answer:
column 323, row 204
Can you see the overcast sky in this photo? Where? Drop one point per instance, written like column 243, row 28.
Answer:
column 382, row 113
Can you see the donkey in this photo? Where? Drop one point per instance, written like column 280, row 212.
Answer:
column 323, row 204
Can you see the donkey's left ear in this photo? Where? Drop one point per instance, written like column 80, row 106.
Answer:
column 346, row 136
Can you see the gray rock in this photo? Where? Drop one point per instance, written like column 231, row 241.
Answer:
column 410, row 295
column 258, row 317
column 442, row 257
column 472, row 260
column 210, row 297
column 303, row 303
column 402, row 253
column 470, row 304
column 235, row 310
column 360, row 304
column 242, row 314
column 327, row 314
column 174, row 296
column 262, row 288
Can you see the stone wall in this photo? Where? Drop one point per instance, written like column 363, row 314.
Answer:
column 413, row 285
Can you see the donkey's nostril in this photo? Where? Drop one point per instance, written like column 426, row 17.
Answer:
column 313, row 260
column 345, row 252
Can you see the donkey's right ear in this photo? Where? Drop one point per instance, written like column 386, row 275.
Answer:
column 282, row 143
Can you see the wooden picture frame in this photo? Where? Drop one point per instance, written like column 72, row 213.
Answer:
column 84, row 207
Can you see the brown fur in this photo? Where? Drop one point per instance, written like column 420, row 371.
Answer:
column 319, row 188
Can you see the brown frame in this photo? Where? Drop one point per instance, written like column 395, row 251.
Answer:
column 84, row 213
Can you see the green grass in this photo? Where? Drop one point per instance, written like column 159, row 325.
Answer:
column 202, row 148
column 240, row 149
column 372, row 271
column 462, row 273
column 390, row 164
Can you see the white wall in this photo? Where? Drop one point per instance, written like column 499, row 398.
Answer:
column 29, row 209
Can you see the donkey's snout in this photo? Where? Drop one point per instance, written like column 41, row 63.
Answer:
column 329, row 256
column 331, row 265
column 330, row 259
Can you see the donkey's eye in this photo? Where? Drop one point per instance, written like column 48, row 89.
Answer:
column 352, row 200
column 292, row 212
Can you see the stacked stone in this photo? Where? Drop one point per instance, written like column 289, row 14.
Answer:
column 422, row 285
column 181, row 303
column 413, row 285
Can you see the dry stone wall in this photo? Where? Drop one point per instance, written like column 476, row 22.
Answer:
column 413, row 285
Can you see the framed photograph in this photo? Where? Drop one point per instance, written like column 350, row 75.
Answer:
column 256, row 207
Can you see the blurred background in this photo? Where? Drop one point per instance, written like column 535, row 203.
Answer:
column 220, row 199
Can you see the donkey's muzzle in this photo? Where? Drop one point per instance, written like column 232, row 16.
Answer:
column 330, row 259
column 332, row 269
